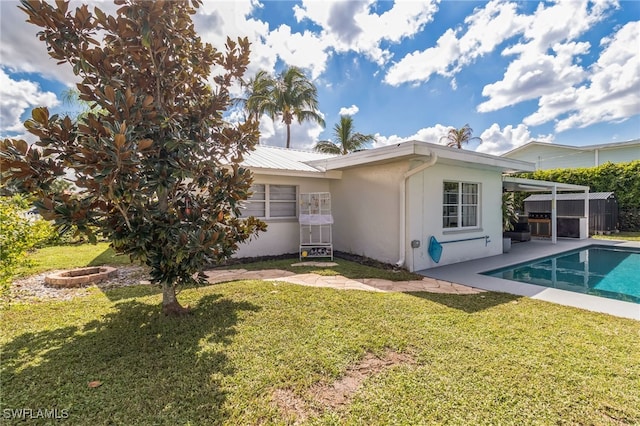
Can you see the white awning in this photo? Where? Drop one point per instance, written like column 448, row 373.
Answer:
column 512, row 184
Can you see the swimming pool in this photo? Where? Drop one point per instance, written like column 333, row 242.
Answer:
column 605, row 271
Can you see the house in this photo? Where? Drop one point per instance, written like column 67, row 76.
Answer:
column 386, row 202
column 555, row 156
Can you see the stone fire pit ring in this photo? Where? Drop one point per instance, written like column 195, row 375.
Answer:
column 80, row 276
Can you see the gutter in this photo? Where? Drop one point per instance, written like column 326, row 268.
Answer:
column 403, row 196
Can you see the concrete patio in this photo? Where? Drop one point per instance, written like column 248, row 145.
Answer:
column 470, row 273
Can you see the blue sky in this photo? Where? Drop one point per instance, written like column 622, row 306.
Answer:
column 557, row 72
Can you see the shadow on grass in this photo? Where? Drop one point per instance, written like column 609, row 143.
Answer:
column 131, row 292
column 153, row 369
column 468, row 303
column 345, row 267
column 109, row 257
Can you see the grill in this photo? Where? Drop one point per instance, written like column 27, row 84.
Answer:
column 540, row 223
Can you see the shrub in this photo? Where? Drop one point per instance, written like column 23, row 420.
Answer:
column 17, row 235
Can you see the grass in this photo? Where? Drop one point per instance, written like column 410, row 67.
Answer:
column 480, row 359
column 346, row 268
column 71, row 256
column 625, row 236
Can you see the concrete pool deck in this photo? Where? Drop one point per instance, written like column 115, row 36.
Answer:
column 469, row 273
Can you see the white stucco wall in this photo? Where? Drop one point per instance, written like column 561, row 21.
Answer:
column 366, row 211
column 282, row 235
column 424, row 216
column 557, row 157
column 554, row 157
column 619, row 155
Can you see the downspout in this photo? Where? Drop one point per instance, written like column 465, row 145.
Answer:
column 403, row 195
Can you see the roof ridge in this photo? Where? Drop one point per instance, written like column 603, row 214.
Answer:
column 282, row 148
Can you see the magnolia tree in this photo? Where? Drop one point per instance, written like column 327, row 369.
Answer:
column 157, row 166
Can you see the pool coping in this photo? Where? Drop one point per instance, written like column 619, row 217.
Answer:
column 470, row 273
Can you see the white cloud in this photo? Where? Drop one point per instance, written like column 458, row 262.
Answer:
column 427, row 134
column 214, row 21
column 546, row 65
column 534, row 75
column 304, row 50
column 352, row 110
column 486, row 28
column 612, row 92
column 22, row 51
column 353, row 26
column 547, row 58
column 494, row 139
column 303, row 136
column 419, row 66
column 16, row 97
column 497, row 141
column 344, row 27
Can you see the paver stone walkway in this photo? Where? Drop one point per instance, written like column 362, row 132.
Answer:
column 340, row 282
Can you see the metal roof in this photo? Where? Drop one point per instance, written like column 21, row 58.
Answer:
column 565, row 196
column 275, row 158
column 419, row 149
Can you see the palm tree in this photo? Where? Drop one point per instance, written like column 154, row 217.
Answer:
column 346, row 139
column 457, row 137
column 289, row 95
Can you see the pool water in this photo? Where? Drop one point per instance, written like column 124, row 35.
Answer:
column 604, row 271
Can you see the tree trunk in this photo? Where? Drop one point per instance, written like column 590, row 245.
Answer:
column 288, row 135
column 170, row 305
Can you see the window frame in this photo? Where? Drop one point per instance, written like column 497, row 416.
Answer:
column 461, row 205
column 268, row 201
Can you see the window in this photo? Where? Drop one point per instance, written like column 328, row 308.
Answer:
column 256, row 203
column 271, row 201
column 460, row 205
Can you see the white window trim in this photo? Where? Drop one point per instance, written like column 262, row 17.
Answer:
column 459, row 228
column 267, row 202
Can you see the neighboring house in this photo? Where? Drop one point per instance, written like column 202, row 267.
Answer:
column 386, row 202
column 555, row 156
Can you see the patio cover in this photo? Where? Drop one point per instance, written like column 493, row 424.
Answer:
column 513, row 184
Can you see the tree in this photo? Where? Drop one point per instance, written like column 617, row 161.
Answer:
column 71, row 98
column 458, row 137
column 17, row 235
column 159, row 174
column 346, row 139
column 289, row 95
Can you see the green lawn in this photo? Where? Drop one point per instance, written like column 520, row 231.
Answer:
column 490, row 358
column 346, row 268
column 625, row 236
column 71, row 256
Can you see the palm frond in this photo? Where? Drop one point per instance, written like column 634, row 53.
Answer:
column 457, row 137
column 327, row 147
